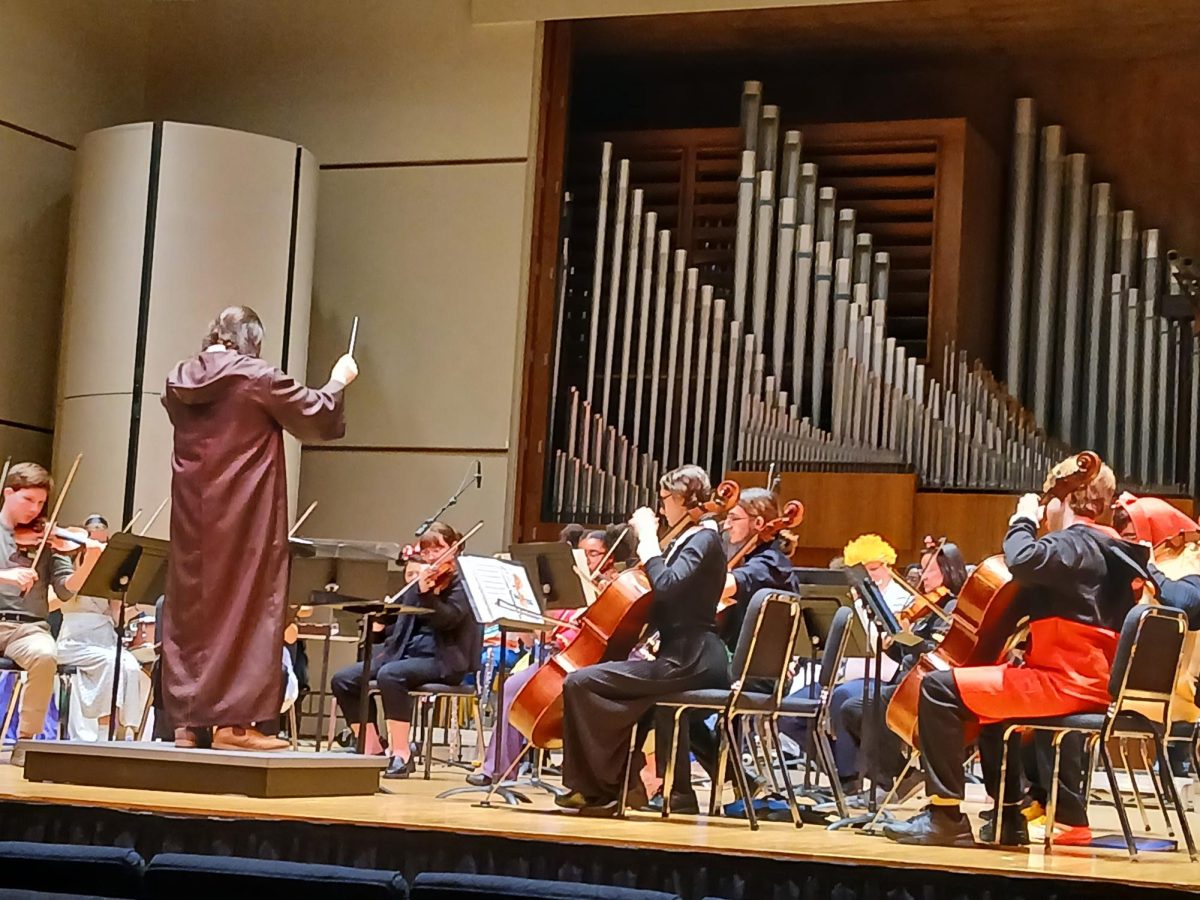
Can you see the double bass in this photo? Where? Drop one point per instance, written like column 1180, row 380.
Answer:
column 608, row 630
column 983, row 619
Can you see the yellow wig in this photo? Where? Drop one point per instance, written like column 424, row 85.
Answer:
column 869, row 548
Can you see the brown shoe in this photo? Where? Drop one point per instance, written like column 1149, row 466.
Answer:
column 235, row 737
column 185, row 738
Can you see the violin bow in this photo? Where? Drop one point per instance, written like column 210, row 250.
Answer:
column 154, row 517
column 442, row 557
column 62, row 495
column 304, row 515
column 592, row 576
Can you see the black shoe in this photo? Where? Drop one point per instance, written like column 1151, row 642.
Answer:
column 683, row 804
column 400, row 768
column 572, row 800
column 944, row 827
column 1014, row 830
column 479, row 779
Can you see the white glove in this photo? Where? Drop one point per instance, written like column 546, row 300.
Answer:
column 345, row 370
column 1029, row 507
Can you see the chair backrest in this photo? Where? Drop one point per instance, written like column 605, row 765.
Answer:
column 1148, row 655
column 70, row 868
column 183, row 875
column 835, row 646
column 764, row 645
column 455, row 886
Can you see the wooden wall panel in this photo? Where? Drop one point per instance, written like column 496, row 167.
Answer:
column 838, row 507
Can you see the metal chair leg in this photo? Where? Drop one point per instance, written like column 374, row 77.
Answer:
column 1118, row 802
column 1174, row 792
column 427, row 744
column 826, row 761
column 793, row 804
column 1137, row 794
column 999, row 804
column 718, row 786
column 1155, row 778
column 672, row 761
column 1052, row 800
column 14, row 702
column 739, row 775
column 293, row 728
column 622, row 804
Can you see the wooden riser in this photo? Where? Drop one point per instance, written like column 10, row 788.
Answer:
column 162, row 767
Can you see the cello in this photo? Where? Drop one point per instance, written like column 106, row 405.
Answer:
column 983, row 619
column 608, row 630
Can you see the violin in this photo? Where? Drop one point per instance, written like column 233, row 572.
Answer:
column 791, row 517
column 608, row 630
column 61, row 539
column 984, row 618
column 924, row 603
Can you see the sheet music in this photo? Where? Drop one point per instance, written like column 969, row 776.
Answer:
column 500, row 593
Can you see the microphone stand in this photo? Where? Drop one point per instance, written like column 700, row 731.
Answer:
column 476, row 476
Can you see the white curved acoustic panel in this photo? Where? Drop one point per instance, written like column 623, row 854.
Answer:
column 170, row 223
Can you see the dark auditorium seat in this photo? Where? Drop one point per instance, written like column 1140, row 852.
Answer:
column 71, row 868
column 20, row 894
column 453, row 886
column 182, row 876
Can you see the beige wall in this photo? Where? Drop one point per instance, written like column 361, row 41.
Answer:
column 424, row 239
column 490, row 11
column 66, row 67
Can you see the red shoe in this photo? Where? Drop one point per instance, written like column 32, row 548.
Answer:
column 1072, row 835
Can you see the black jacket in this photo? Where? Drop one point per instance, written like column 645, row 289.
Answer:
column 458, row 636
column 766, row 567
column 686, row 592
column 1080, row 574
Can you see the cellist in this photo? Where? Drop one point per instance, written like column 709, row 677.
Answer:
column 1075, row 584
column 603, row 703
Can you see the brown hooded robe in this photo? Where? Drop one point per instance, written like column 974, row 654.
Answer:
column 228, row 571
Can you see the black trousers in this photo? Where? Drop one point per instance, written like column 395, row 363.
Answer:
column 396, row 678
column 882, row 758
column 602, row 704
column 943, row 719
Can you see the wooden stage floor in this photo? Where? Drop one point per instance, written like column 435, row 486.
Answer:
column 413, row 807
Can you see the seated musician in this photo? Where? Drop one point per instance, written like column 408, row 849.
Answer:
column 440, row 647
column 767, row 566
column 88, row 640
column 1076, row 586
column 941, row 575
column 602, row 704
column 1175, row 565
column 877, row 556
column 598, row 548
column 24, row 600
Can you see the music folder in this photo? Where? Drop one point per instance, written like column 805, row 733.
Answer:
column 501, row 593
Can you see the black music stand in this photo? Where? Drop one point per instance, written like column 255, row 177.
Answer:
column 880, row 616
column 551, row 564
column 368, row 610
column 131, row 566
column 339, row 556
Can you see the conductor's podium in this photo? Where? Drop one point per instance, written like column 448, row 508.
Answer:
column 164, row 767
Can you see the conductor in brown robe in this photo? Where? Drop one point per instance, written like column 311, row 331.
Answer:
column 228, row 572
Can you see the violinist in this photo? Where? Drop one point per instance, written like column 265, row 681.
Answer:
column 24, row 598
column 941, row 575
column 441, row 647
column 1075, row 585
column 88, row 641
column 602, row 704
column 599, row 549
column 877, row 556
column 1175, row 566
